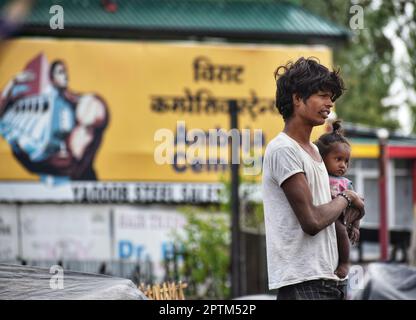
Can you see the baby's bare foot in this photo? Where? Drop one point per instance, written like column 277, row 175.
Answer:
column 342, row 270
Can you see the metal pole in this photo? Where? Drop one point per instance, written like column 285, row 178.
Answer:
column 235, row 203
column 383, row 230
column 412, row 250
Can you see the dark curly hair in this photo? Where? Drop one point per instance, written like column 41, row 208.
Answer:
column 327, row 140
column 304, row 78
column 54, row 64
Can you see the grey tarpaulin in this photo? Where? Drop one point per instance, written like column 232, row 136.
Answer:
column 384, row 281
column 26, row 283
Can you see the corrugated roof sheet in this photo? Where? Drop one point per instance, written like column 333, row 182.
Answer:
column 211, row 17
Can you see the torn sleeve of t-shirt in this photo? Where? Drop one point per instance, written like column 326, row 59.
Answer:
column 284, row 163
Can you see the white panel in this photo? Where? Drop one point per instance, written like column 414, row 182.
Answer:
column 34, row 191
column 110, row 192
column 52, row 232
column 142, row 233
column 8, row 233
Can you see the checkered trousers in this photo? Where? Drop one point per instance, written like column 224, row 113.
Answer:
column 321, row 289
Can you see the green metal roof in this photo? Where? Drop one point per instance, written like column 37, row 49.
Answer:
column 261, row 19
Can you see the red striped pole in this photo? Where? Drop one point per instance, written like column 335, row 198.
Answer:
column 384, row 229
column 414, row 191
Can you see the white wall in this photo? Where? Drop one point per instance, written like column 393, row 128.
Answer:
column 50, row 232
column 142, row 233
column 9, row 249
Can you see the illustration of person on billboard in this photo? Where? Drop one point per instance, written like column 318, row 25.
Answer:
column 52, row 131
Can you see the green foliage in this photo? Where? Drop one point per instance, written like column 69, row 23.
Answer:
column 366, row 61
column 206, row 243
column 251, row 211
column 253, row 216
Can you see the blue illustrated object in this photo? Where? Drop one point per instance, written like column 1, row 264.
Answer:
column 38, row 125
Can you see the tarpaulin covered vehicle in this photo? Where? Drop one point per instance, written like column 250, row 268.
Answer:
column 33, row 283
column 384, row 281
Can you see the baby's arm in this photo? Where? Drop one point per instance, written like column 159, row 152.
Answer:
column 354, row 230
column 355, row 223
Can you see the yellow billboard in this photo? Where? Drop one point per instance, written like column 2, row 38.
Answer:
column 92, row 110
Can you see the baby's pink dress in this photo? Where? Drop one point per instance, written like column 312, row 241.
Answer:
column 339, row 184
